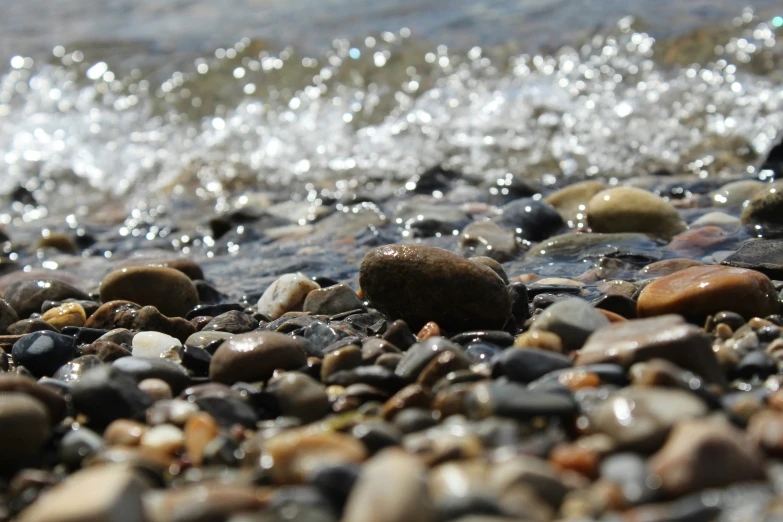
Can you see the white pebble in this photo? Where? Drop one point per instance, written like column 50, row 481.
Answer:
column 286, row 294
column 153, row 344
column 166, row 438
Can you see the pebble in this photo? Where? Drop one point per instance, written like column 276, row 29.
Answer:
column 705, row 453
column 75, row 368
column 528, row 364
column 105, row 394
column 157, row 389
column 286, row 294
column 628, row 209
column 28, row 295
column 735, row 194
column 164, row 438
column 101, row 494
column 492, row 265
column 763, row 255
column 200, row 429
column 184, row 265
column 79, row 445
column 513, row 400
column 153, row 344
column 167, row 289
column 8, row 316
column 299, row 395
column 124, row 432
column 68, row 314
column 105, row 351
column 209, row 341
column 572, row 320
column 668, row 267
column 26, row 326
column 420, row 284
column 485, row 238
column 297, row 454
column 571, row 201
column 392, row 487
column 420, row 354
column 530, row 219
column 55, row 404
column 43, row 352
column 667, row 337
column 539, row 339
column 762, row 215
column 233, row 322
column 254, row 356
column 333, row 300
column 700, row 291
column 25, row 422
column 344, row 358
column 640, row 418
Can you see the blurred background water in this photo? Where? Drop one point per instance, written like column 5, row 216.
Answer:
column 130, row 102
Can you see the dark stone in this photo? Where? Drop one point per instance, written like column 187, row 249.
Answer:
column 105, row 394
column 196, row 360
column 321, row 335
column 27, row 296
column 420, row 354
column 621, row 305
column 207, row 293
column 498, row 338
column 411, row 420
column 528, row 364
column 764, row 255
column 434, row 178
column 213, row 310
column 233, row 321
column 73, row 370
column 54, row 402
column 520, row 302
column 332, row 300
column 83, row 335
column 78, row 445
column 377, row 435
column 376, row 376
column 8, row 316
column 141, row 368
column 530, row 219
column 335, row 481
column 107, row 351
column 420, row 284
column 481, row 352
column 756, row 364
column 399, row 334
column 508, row 399
column 229, row 411
column 27, row 326
column 43, row 352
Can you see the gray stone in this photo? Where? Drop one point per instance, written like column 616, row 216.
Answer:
column 420, row 354
column 573, row 320
column 27, row 296
column 763, row 255
column 332, row 300
column 299, row 395
column 484, row 238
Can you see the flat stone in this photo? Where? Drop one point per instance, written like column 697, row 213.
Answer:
column 43, row 352
column 332, row 300
column 420, row 284
column 286, row 294
column 106, row 393
column 420, row 354
column 572, row 320
column 628, row 209
column 640, row 418
column 153, row 344
column 28, row 295
column 25, row 423
column 167, row 289
column 528, row 364
column 233, row 321
column 763, row 255
column 706, row 453
column 392, row 487
column 667, row 337
column 254, row 356
column 700, row 291
column 110, row 493
column 28, row 326
column 8, row 316
column 577, row 246
column 485, row 238
column 514, row 400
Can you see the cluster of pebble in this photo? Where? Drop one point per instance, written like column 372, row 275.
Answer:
column 442, row 388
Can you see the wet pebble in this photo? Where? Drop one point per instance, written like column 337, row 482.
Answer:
column 26, row 428
column 572, row 320
column 254, row 356
column 167, row 289
column 28, row 295
column 233, row 322
column 332, row 300
column 484, row 238
column 43, row 352
column 153, row 344
column 628, row 209
column 286, row 294
column 106, row 393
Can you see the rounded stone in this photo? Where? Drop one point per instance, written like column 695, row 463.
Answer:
column 763, row 215
column 572, row 320
column 530, row 219
column 299, row 395
column 571, row 201
column 28, row 295
column 43, row 352
column 700, row 291
column 420, row 284
column 25, row 423
column 332, row 300
column 629, row 209
column 734, row 195
column 167, row 289
column 286, row 294
column 153, row 344
column 485, row 238
column 254, row 356
column 67, row 314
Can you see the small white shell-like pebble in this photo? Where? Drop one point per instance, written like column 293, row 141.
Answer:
column 153, row 344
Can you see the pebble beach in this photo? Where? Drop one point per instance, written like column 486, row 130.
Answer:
column 534, row 287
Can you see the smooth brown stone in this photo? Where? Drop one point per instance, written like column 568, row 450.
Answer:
column 297, row 453
column 613, row 317
column 67, row 314
column 26, row 326
column 187, row 266
column 25, row 428
column 344, row 358
column 111, row 493
column 26, row 295
column 706, row 453
column 441, row 366
column 209, row 501
column 412, row 396
column 667, row 337
column 539, row 339
column 420, row 284
column 114, row 314
column 254, row 356
column 124, row 432
column 106, row 351
column 58, row 241
column 667, row 267
column 167, row 289
column 700, row 291
column 628, row 209
column 429, row 330
column 55, row 404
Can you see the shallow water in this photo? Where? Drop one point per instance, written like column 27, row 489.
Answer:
column 137, row 120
